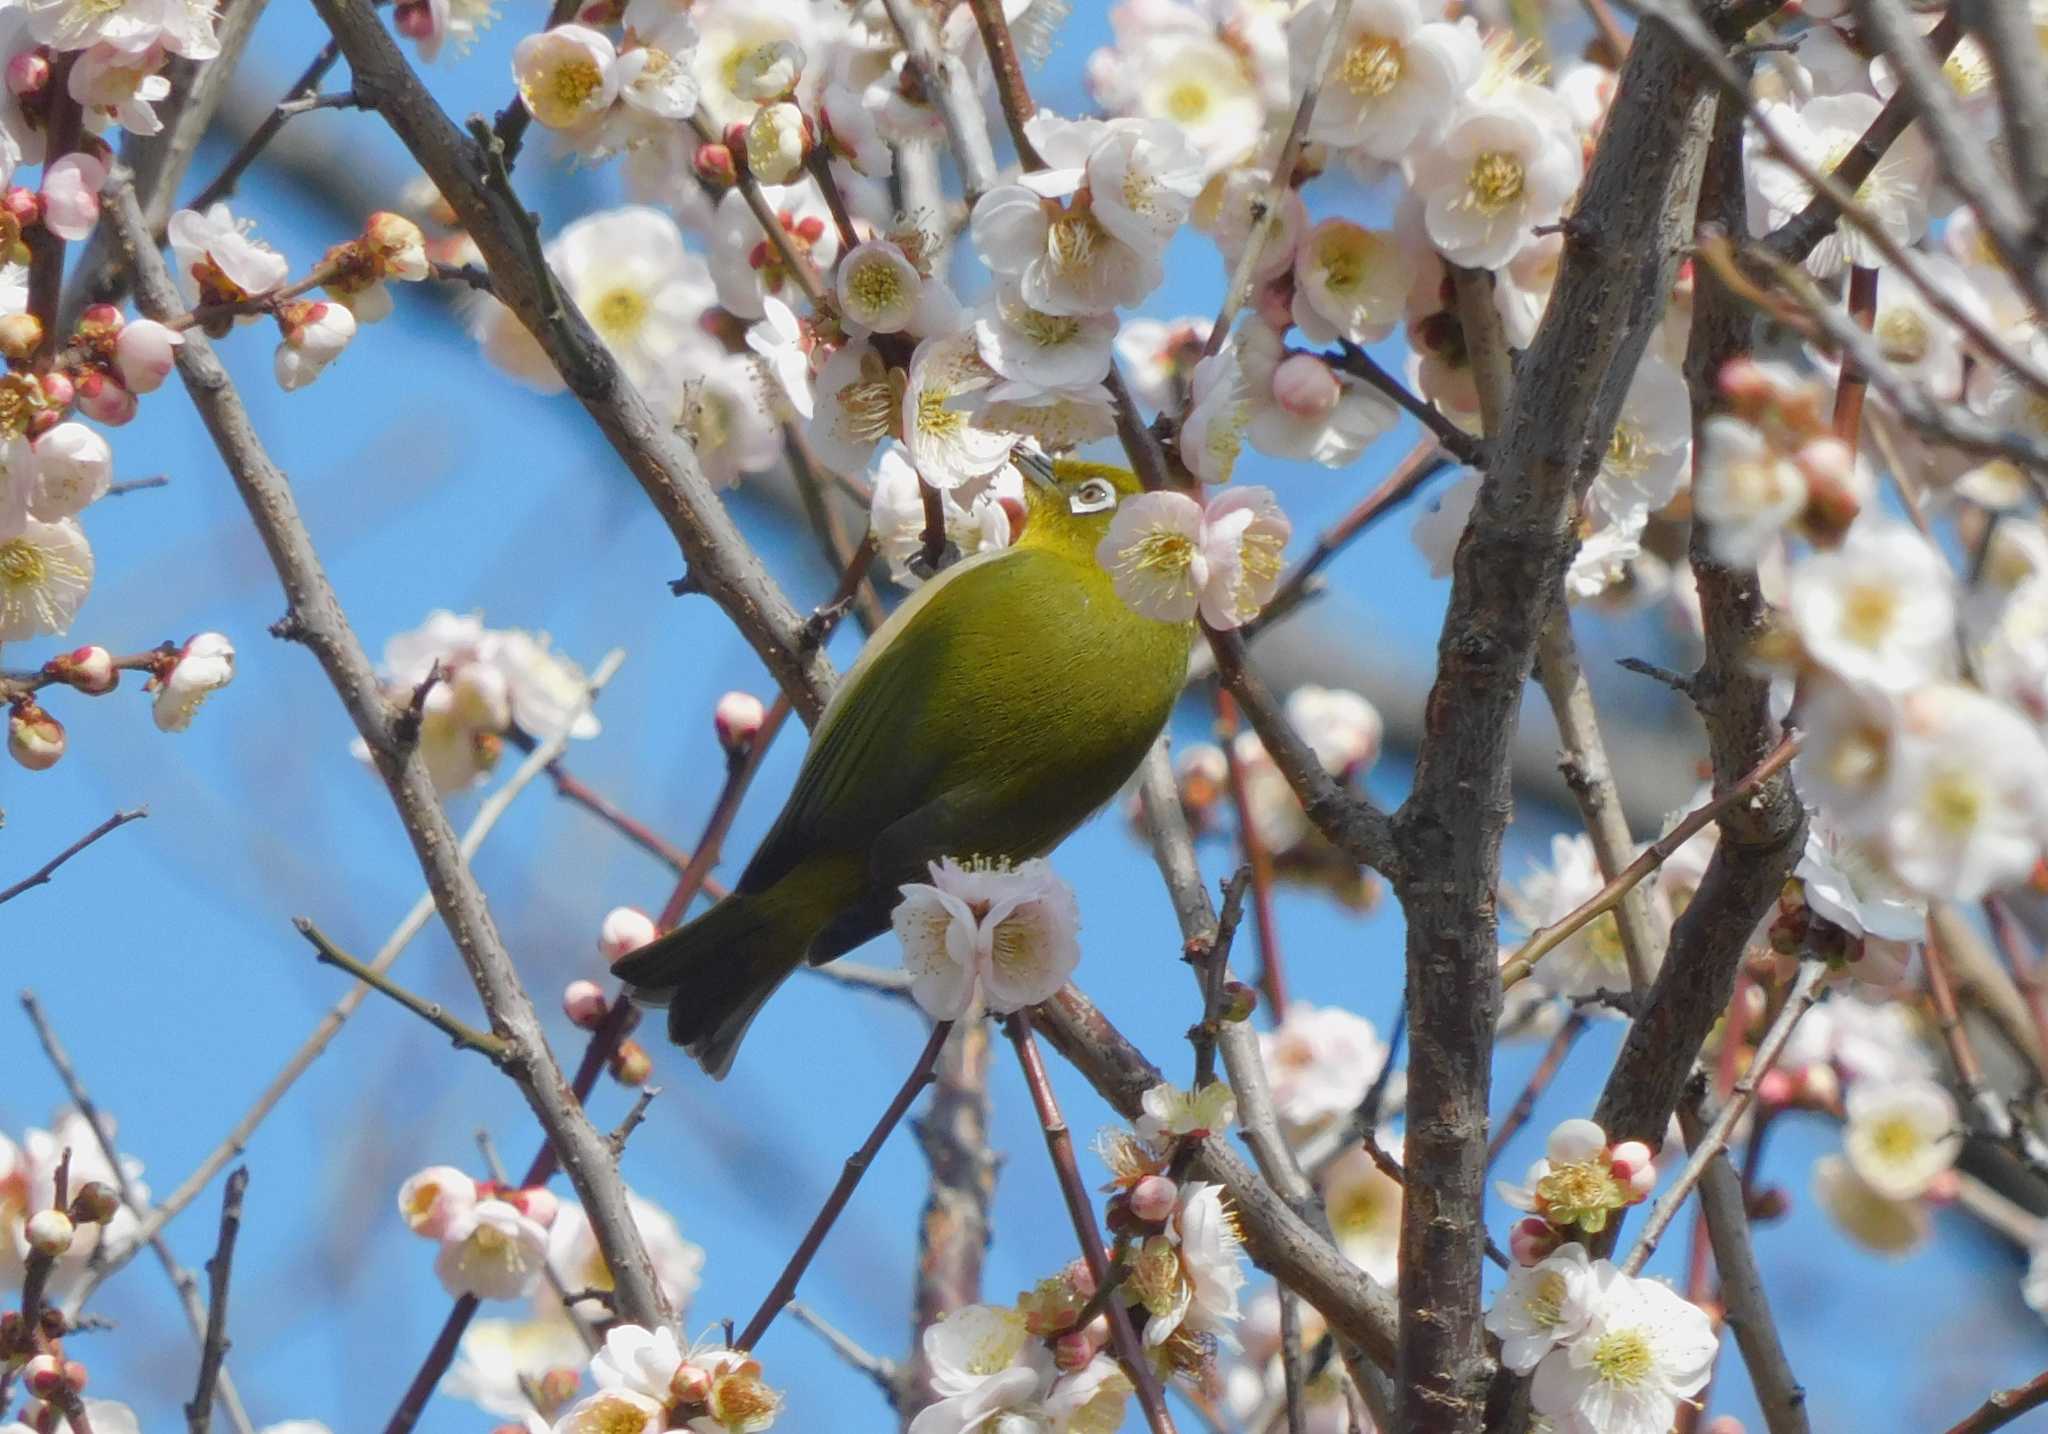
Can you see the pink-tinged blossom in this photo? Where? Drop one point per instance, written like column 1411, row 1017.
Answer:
column 1010, row 934
column 71, row 195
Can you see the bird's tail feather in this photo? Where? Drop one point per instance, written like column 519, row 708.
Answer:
column 715, row 973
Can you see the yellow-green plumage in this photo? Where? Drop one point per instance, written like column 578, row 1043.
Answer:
column 998, row 707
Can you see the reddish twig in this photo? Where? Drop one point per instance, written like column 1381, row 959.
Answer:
column 1272, row 977
column 1853, row 383
column 2004, row 1407
column 42, row 874
column 2026, row 966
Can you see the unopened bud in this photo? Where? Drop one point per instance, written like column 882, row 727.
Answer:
column 103, row 399
column 1238, row 1003
column 1776, row 1087
column 50, row 1232
column 399, row 246
column 777, row 140
column 1153, row 1198
column 20, row 335
column 1304, row 386
column 625, row 929
column 714, row 165
column 537, row 1203
column 584, row 1004
column 1627, row 1159
column 1944, row 1189
column 1773, row 1202
column 631, row 1065
column 34, row 738
column 1533, row 1240
column 58, row 390
column 689, row 1384
column 23, row 206
column 96, row 1203
column 738, row 718
column 414, row 19
column 43, row 1376
column 810, row 229
column 89, row 669
column 1746, row 385
column 28, row 73
column 556, row 1388
column 1830, row 508
column 99, row 321
column 1072, row 1350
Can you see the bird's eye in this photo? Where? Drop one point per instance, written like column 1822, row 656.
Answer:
column 1094, row 496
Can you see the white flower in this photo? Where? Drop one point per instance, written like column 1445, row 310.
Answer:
column 129, row 25
column 1879, row 611
column 977, row 1343
column 573, row 1252
column 1341, row 727
column 859, row 403
column 724, row 409
column 637, row 1359
column 567, row 76
column 71, row 195
column 1972, row 778
column 205, row 665
column 1363, row 1204
column 215, row 259
column 492, row 1251
column 1394, row 78
column 769, row 71
column 1643, row 1349
column 779, row 340
column 1211, row 1264
column 144, row 352
column 1171, row 558
column 1923, row 345
column 1544, row 1305
column 1437, row 531
column 1302, row 408
column 739, row 1403
column 653, row 67
column 1171, row 1111
column 1846, row 763
column 1822, row 132
column 775, row 143
column 941, row 427
column 1350, row 283
column 496, row 1355
column 1499, row 171
column 1159, row 354
column 1647, row 459
column 73, row 466
column 1052, row 350
column 45, row 573
column 314, row 336
column 879, row 288
column 1890, row 1227
column 1901, row 1135
column 1212, row 434
column 731, row 33
column 1746, row 491
column 544, row 688
column 1322, row 1060
column 120, row 86
column 1008, row 1402
column 1008, row 932
column 1192, row 79
column 745, row 265
column 433, row 1200
column 1591, row 959
column 1846, row 886
column 977, row 516
column 1244, row 536
column 613, row 1411
column 1143, row 179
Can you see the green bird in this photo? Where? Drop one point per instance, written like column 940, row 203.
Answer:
column 1004, row 702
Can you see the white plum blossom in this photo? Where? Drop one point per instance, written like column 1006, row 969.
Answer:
column 1591, row 959
column 1219, row 408
column 432, row 1201
column 498, row 1356
column 203, row 666
column 1643, row 1349
column 637, row 1359
column 1363, row 1204
column 1879, row 1223
column 1746, row 491
column 745, row 265
column 776, row 141
column 1049, row 350
column 858, row 402
column 1350, row 283
column 1968, row 807
column 1244, row 535
column 1901, row 1135
column 1822, row 131
column 45, row 573
column 1172, row 558
column 130, row 25
column 1647, row 459
column 1008, row 934
column 1442, row 524
column 574, row 1254
column 978, row 517
column 73, row 466
column 1143, row 179
column 1543, row 1306
column 1321, row 1060
column 1395, row 78
column 567, row 76
column 879, row 288
column 1201, row 1294
column 1501, row 169
column 1169, row 1111
column 215, row 259
column 942, row 429
column 1157, row 354
column 314, row 336
column 779, row 340
column 1341, row 727
column 1878, row 612
column 493, row 1251
column 973, row 1345
column 1303, row 408
column 653, row 69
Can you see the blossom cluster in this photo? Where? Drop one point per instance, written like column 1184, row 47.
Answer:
column 28, row 1188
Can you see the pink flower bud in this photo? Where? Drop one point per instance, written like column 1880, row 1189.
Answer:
column 1575, row 1140
column 144, row 352
column 58, row 389
column 1723, row 1424
column 1533, row 1240
column 1153, row 1198
column 414, row 19
column 1641, row 1182
column 714, row 165
column 557, row 1388
column 20, row 335
column 314, row 336
column 204, row 665
column 104, row 400
column 631, row 1065
column 43, row 1376
column 28, row 72
column 1628, row 1158
column 1079, row 1278
column 89, row 669
column 1304, row 386
column 738, row 718
column 34, row 738
column 584, row 1004
column 537, row 1203
column 624, row 929
column 1745, row 384
column 689, row 1384
column 25, row 205
column 49, row 1232
column 1945, row 1189
column 810, row 229
column 1072, row 1350
column 71, row 195
column 1776, row 1087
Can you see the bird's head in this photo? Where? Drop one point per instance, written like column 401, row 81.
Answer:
column 1069, row 504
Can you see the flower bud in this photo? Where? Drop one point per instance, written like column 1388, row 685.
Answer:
column 776, row 142
column 810, row 229
column 104, row 400
column 624, row 929
column 1575, row 1140
column 537, row 1203
column 1072, row 1350
column 1238, row 1003
column 314, row 335
column 96, row 1203
column 144, row 352
column 713, row 163
column 1304, row 386
column 49, row 1232
column 43, row 1377
column 768, row 72
column 631, row 1065
column 1746, row 385
column 89, row 669
column 689, row 1384
column 398, row 245
column 557, row 1388
column 414, row 19
column 1773, row 1202
column 28, row 72
column 34, row 738
column 20, row 335
column 738, row 718
column 1153, row 1198
column 1628, row 1159
column 24, row 206
column 1533, row 1240
column 584, row 1004
column 1777, row 1087
column 204, row 665
column 58, row 390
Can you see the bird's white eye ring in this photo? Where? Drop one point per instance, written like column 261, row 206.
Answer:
column 1094, row 496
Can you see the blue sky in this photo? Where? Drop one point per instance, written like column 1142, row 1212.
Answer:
column 166, row 958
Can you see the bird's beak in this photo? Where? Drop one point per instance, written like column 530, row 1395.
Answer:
column 1035, row 466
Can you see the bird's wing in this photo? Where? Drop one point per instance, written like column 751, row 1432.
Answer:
column 875, row 752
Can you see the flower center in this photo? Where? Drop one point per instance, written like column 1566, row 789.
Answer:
column 1187, row 102
column 1011, row 951
column 1495, row 182
column 1955, row 801
column 574, row 82
column 1046, row 330
column 1581, row 1193
column 1160, row 551
column 1858, row 759
column 738, row 1401
column 1371, row 67
column 1259, row 563
column 22, row 564
column 934, row 419
column 1867, row 613
column 1904, row 335
column 1623, row 1356
column 1894, row 1138
column 21, row 399
column 870, row 406
column 1072, row 241
column 875, row 286
column 1360, row 1211
column 1628, row 452
column 1545, row 1304
column 619, row 313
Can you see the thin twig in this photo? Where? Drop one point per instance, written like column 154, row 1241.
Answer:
column 199, row 1413
column 43, row 873
column 1467, row 448
column 223, row 184
column 2004, row 1407
column 465, row 1036
column 631, row 1121
column 1059, row 1144
column 1805, row 991
column 1539, row 1081
column 1541, row 943
column 784, row 1288
column 1853, row 382
column 882, row 1371
column 1272, row 975
column 1290, row 1362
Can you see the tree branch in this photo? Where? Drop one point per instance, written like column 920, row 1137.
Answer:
column 43, row 873
column 199, row 1413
